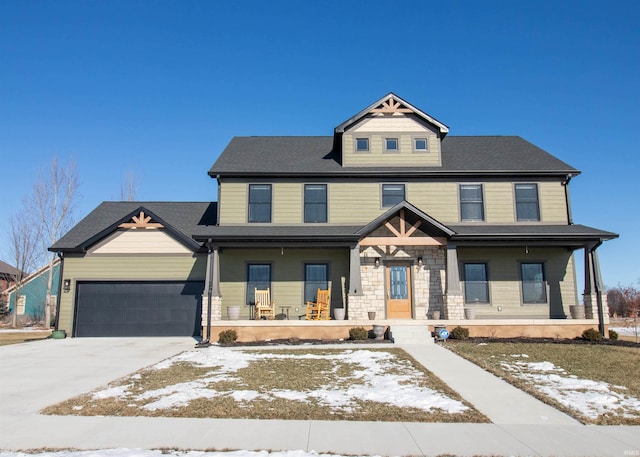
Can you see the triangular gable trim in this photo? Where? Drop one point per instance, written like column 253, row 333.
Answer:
column 148, row 216
column 390, row 104
column 438, row 232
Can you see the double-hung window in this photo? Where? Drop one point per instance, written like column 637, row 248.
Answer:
column 259, row 202
column 316, row 276
column 392, row 194
column 476, row 284
column 534, row 285
column 471, row 204
column 527, row 207
column 315, row 203
column 258, row 277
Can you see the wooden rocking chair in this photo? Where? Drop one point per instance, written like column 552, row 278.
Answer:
column 265, row 308
column 319, row 310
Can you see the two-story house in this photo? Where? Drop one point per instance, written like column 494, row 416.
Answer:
column 399, row 217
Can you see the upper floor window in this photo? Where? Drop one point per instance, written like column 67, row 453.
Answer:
column 534, row 289
column 476, row 285
column 391, row 144
column 259, row 202
column 315, row 203
column 527, row 208
column 392, row 194
column 258, row 277
column 420, row 144
column 362, row 144
column 471, row 203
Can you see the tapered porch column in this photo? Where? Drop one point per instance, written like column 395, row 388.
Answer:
column 211, row 299
column 355, row 277
column 454, row 301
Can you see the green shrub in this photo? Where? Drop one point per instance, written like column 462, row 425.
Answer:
column 358, row 333
column 459, row 333
column 591, row 334
column 227, row 336
column 613, row 335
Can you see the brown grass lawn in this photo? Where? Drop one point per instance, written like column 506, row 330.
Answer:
column 8, row 337
column 617, row 366
column 308, row 377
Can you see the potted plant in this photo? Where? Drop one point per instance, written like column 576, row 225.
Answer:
column 233, row 313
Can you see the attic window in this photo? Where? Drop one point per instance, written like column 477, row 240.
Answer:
column 420, row 144
column 362, row 144
column 391, row 144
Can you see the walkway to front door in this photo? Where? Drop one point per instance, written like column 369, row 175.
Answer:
column 398, row 287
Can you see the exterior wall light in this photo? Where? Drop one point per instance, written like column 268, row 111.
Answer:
column 376, row 262
column 66, row 285
column 420, row 262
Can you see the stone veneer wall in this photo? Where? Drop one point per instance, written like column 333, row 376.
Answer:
column 216, row 311
column 428, row 281
column 591, row 307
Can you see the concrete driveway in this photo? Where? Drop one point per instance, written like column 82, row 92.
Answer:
column 37, row 374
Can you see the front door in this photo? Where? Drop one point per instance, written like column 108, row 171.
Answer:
column 398, row 283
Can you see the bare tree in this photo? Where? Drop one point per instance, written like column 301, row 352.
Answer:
column 24, row 249
column 129, row 189
column 55, row 196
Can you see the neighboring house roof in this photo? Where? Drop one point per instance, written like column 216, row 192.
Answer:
column 315, row 156
column 179, row 218
column 8, row 270
column 399, row 103
column 27, row 279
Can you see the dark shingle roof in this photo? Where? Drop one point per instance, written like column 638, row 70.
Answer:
column 181, row 218
column 314, row 155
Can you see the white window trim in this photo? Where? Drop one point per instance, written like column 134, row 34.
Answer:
column 355, row 146
column 396, row 139
column 413, row 144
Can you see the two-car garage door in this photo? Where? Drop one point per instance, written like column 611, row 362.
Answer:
column 135, row 308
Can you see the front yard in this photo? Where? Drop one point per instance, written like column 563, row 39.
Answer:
column 596, row 384
column 305, row 384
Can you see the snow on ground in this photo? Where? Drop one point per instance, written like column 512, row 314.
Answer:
column 629, row 331
column 589, row 398
column 157, row 453
column 374, row 379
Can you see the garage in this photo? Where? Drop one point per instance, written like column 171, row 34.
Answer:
column 138, row 308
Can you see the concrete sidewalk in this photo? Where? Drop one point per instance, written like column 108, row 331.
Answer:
column 35, row 375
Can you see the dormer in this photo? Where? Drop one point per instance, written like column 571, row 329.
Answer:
column 391, row 133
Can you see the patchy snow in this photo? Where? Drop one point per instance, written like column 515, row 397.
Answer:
column 590, row 398
column 627, row 331
column 157, row 453
column 373, row 379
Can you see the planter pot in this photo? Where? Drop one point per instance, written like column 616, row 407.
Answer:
column 469, row 313
column 58, row 334
column 338, row 314
column 378, row 332
column 233, row 313
column 372, row 315
column 435, row 315
column 577, row 311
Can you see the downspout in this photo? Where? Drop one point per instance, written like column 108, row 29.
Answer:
column 567, row 199
column 60, row 276
column 219, row 199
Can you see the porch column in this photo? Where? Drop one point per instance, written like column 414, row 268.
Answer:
column 211, row 300
column 601, row 301
column 355, row 278
column 454, row 301
column 590, row 301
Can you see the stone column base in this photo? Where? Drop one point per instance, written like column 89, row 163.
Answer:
column 453, row 306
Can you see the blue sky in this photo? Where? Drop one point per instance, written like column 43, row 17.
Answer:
column 158, row 88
